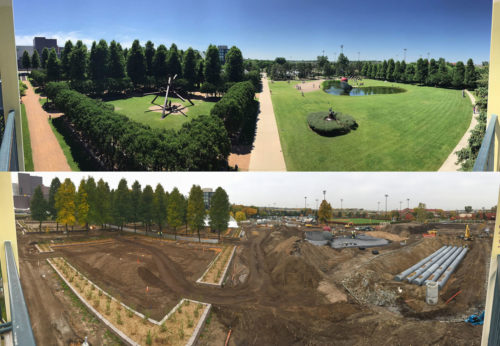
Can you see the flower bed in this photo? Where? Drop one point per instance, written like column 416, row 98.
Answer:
column 181, row 326
column 216, row 271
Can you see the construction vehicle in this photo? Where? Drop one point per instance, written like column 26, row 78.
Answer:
column 349, row 225
column 433, row 231
column 467, row 235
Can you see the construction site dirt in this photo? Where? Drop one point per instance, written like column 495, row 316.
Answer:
column 280, row 289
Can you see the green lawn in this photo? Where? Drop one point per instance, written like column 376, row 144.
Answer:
column 411, row 131
column 28, row 157
column 358, row 221
column 66, row 148
column 137, row 109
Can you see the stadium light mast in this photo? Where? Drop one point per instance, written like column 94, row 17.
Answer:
column 324, row 194
column 386, row 195
column 404, row 59
column 341, row 49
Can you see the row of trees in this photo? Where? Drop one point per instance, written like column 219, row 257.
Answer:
column 114, row 69
column 425, row 72
column 95, row 203
column 123, row 144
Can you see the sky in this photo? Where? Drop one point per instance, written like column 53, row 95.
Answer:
column 450, row 191
column 265, row 29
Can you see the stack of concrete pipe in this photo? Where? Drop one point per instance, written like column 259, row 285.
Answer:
column 437, row 267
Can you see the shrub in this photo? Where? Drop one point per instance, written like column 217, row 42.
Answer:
column 130, row 313
column 342, row 124
column 39, row 77
column 119, row 318
column 149, row 338
column 190, row 323
column 163, row 328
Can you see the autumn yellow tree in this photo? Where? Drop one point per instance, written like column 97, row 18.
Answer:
column 325, row 211
column 240, row 216
column 65, row 203
column 82, row 205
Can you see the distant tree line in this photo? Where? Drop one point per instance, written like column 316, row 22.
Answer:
column 94, row 203
column 123, row 144
column 114, row 70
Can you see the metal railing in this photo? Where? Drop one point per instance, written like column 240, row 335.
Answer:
column 8, row 149
column 22, row 334
column 485, row 161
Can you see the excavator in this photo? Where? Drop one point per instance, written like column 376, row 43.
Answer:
column 467, row 235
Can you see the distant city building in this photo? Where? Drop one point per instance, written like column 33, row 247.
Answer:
column 20, row 51
column 207, row 196
column 222, row 53
column 24, row 189
column 39, row 43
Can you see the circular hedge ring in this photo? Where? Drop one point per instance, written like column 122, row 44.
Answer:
column 331, row 124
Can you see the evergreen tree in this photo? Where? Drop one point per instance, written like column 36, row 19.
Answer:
column 470, row 75
column 38, row 206
column 99, row 61
column 189, row 71
column 175, row 210
column 35, row 60
column 149, row 53
column 116, row 60
column 135, row 201
column 458, row 75
column 136, row 63
column 433, row 77
column 200, row 73
column 196, row 210
column 65, row 59
column 147, row 210
column 403, row 71
column 78, row 61
column 342, row 65
column 26, row 60
column 91, row 189
column 389, row 74
column 82, row 205
column 103, row 203
column 421, row 71
column 159, row 207
column 219, row 211
column 45, row 56
column 444, row 76
column 383, row 70
column 397, row 71
column 212, row 66
column 54, row 186
column 173, row 62
column 234, row 65
column 410, row 72
column 53, row 66
column 364, row 70
column 160, row 64
column 65, row 203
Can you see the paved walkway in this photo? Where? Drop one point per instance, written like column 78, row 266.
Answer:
column 450, row 164
column 266, row 154
column 47, row 153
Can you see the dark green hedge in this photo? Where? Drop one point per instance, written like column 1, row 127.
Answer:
column 343, row 124
column 123, row 144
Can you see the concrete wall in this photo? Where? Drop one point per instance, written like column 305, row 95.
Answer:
column 8, row 72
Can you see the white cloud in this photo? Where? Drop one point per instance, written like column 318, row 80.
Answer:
column 62, row 37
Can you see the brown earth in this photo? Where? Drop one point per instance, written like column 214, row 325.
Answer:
column 282, row 290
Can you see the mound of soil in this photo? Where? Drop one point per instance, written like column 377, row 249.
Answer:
column 148, row 277
column 294, row 272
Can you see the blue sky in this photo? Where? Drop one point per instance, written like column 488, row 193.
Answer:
column 453, row 29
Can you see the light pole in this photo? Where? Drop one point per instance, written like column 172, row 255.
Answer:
column 404, row 59
column 324, row 195
column 341, row 49
column 305, row 204
column 378, row 207
column 341, row 211
column 386, row 195
column 408, row 203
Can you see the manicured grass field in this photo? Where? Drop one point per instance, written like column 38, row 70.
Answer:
column 357, row 221
column 28, row 157
column 411, row 131
column 68, row 152
column 137, row 109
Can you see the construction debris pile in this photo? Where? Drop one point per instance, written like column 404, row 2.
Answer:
column 437, row 267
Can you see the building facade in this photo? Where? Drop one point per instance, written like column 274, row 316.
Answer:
column 207, row 196
column 222, row 53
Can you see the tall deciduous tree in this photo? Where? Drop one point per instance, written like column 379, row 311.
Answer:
column 65, row 59
column 65, row 203
column 147, row 206
column 99, row 60
column 136, row 63
column 470, row 75
column 325, row 211
column 53, row 66
column 160, row 64
column 219, row 210
column 82, row 205
column 212, row 66
column 103, row 203
column 35, row 60
column 189, row 68
column 78, row 61
column 159, row 207
column 149, row 53
column 135, row 200
column 45, row 56
column 121, row 203
column 175, row 210
column 116, row 60
column 26, row 60
column 91, row 189
column 173, row 62
column 234, row 65
column 196, row 210
column 38, row 206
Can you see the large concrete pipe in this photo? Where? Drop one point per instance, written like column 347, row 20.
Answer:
column 432, row 293
column 446, row 275
column 427, row 265
column 434, row 276
column 410, row 270
column 421, row 278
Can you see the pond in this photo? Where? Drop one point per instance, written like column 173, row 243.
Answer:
column 334, row 88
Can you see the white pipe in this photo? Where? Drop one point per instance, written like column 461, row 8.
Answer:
column 428, row 264
column 446, row 275
column 420, row 279
column 410, row 270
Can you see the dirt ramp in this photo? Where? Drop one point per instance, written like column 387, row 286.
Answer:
column 148, row 277
column 294, row 273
